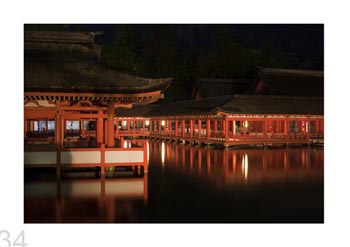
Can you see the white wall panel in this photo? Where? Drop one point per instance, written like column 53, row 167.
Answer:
column 39, row 158
column 123, row 156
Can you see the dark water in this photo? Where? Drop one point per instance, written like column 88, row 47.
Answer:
column 188, row 184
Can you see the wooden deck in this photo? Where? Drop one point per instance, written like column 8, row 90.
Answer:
column 257, row 139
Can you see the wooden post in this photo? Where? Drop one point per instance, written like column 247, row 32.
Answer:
column 58, row 142
column 245, row 127
column 307, row 129
column 208, row 128
column 215, row 126
column 25, row 128
column 200, row 128
column 233, row 127
column 169, row 127
column 317, row 126
column 225, row 124
column 62, row 130
column 46, row 125
column 117, row 128
column 286, row 128
column 134, row 127
column 99, row 128
column 110, row 126
column 191, row 128
column 143, row 126
column 176, row 127
column 182, row 128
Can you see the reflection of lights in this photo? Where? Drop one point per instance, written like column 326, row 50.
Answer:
column 163, row 123
column 124, row 123
column 147, row 122
column 163, row 153
column 245, row 166
column 246, row 124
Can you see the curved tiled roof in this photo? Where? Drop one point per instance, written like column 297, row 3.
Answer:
column 209, row 87
column 289, row 82
column 69, row 62
column 233, row 104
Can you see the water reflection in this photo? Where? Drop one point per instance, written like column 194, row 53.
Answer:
column 256, row 165
column 85, row 200
column 245, row 166
column 163, row 153
column 197, row 184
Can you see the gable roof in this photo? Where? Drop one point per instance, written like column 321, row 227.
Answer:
column 210, row 87
column 232, row 104
column 289, row 82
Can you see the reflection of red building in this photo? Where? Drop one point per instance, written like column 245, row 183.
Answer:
column 84, row 200
column 240, row 166
column 70, row 98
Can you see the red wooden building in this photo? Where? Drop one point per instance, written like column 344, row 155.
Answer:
column 70, row 99
column 231, row 120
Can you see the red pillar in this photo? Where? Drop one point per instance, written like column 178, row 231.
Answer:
column 58, row 136
column 25, row 128
column 191, row 128
column 62, row 130
column 245, row 127
column 208, row 128
column 117, row 129
column 225, row 128
column 286, row 128
column 215, row 126
column 176, row 127
column 266, row 127
column 134, row 127
column 233, row 128
column 307, row 128
column 199, row 128
column 110, row 126
column 182, row 128
column 144, row 126
column 99, row 129
column 105, row 131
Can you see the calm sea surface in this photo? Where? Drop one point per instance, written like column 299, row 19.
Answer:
column 186, row 184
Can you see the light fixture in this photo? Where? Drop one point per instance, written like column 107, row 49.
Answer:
column 147, row 122
column 163, row 123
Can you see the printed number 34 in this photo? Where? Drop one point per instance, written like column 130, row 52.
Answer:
column 5, row 239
